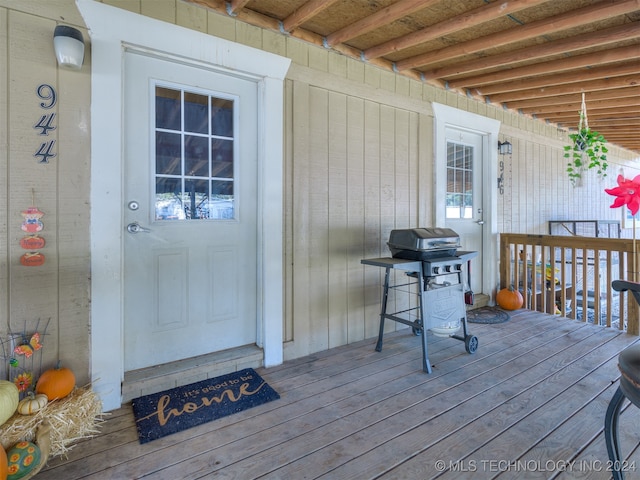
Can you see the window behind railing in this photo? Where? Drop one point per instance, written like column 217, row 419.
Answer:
column 571, row 276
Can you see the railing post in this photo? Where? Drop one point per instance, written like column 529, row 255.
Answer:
column 505, row 263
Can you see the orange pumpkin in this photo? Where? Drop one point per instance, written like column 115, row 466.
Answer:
column 4, row 464
column 56, row 383
column 509, row 298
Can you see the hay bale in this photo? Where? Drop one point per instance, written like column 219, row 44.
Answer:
column 72, row 419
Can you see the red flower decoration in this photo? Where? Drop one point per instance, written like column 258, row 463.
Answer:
column 23, row 381
column 627, row 193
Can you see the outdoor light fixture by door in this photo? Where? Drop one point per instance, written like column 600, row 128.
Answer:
column 68, row 44
column 504, row 148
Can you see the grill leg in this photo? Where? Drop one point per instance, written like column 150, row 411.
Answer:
column 426, row 366
column 383, row 309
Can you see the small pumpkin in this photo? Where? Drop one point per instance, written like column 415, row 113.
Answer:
column 9, row 398
column 509, row 298
column 32, row 403
column 56, row 382
column 23, row 458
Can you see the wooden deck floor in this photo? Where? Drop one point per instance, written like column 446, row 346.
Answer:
column 531, row 400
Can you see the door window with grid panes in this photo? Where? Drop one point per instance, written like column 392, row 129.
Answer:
column 459, row 193
column 194, row 155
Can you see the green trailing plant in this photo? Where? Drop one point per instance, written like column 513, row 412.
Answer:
column 587, row 150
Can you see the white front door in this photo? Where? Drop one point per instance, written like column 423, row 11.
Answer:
column 464, row 205
column 189, row 218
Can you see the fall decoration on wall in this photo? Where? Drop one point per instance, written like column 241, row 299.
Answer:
column 587, row 150
column 509, row 298
column 32, row 224
column 56, row 383
column 32, row 242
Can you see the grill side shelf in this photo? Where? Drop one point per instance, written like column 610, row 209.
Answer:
column 397, row 263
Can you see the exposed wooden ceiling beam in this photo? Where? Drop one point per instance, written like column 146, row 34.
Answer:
column 599, row 121
column 615, row 136
column 627, row 123
column 615, row 126
column 381, row 17
column 564, row 46
column 575, row 18
column 546, row 68
column 633, row 91
column 236, row 5
column 587, row 87
column 470, row 19
column 576, row 106
column 626, row 112
column 305, row 12
column 574, row 76
column 620, row 130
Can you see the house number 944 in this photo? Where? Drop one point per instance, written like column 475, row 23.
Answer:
column 47, row 94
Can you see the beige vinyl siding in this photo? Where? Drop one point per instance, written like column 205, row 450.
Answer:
column 354, row 178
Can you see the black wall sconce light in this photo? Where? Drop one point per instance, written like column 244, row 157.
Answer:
column 68, row 44
column 504, row 148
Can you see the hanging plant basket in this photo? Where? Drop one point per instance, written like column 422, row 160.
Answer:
column 587, row 151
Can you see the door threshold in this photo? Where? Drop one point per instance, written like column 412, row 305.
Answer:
column 190, row 370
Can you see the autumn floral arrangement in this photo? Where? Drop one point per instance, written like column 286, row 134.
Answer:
column 42, row 411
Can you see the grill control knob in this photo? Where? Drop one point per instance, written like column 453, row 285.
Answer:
column 447, row 268
column 436, row 270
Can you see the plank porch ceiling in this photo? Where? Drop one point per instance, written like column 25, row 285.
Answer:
column 536, row 57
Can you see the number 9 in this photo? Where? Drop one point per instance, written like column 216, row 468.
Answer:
column 47, row 92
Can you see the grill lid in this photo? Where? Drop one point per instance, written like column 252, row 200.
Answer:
column 420, row 243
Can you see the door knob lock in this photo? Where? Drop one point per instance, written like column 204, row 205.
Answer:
column 135, row 227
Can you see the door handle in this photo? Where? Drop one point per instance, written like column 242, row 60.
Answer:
column 135, row 227
column 480, row 222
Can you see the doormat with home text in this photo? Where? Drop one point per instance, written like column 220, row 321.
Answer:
column 180, row 408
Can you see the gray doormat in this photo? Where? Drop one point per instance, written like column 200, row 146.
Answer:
column 487, row 315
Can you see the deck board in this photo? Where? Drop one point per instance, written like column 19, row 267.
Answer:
column 535, row 393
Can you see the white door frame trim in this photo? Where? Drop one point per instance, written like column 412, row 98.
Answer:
column 445, row 116
column 111, row 31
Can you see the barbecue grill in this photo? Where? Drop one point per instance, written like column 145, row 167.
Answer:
column 431, row 258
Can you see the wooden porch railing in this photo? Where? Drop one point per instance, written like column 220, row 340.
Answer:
column 571, row 276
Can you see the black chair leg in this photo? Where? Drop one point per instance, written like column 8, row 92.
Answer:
column 611, row 433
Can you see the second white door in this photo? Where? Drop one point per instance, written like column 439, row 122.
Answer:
column 464, row 194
